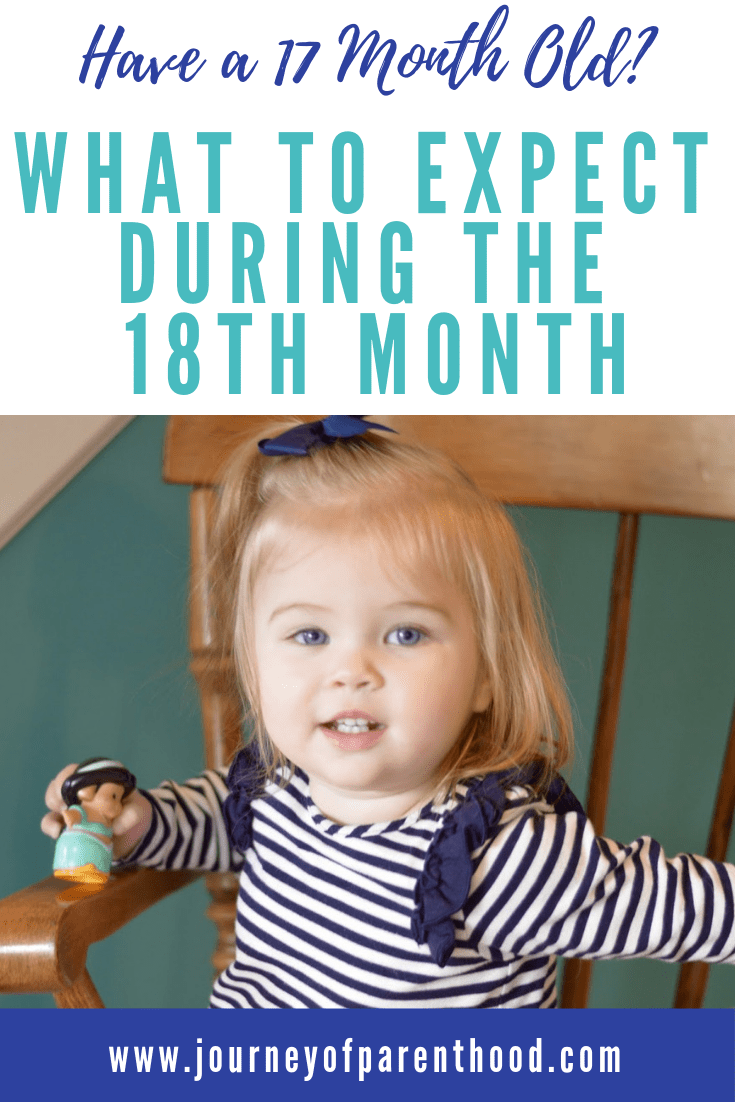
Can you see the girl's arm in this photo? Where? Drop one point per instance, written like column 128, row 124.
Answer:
column 186, row 828
column 546, row 885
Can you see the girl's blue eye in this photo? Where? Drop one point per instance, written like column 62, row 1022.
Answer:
column 311, row 637
column 405, row 637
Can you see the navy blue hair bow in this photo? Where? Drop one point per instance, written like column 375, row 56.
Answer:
column 317, row 434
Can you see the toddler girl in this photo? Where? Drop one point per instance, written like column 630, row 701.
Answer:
column 401, row 831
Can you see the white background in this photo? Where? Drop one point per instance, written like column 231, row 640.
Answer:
column 65, row 348
column 39, row 455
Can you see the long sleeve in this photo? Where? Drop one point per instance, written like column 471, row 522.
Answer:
column 188, row 829
column 546, row 884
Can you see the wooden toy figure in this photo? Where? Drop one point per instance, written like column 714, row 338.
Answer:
column 94, row 796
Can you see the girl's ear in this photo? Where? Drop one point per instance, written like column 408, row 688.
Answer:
column 482, row 697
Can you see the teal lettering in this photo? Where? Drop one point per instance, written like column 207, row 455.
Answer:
column 480, row 231
column 584, row 172
column 214, row 140
column 333, row 257
column 584, row 261
column 40, row 171
column 403, row 269
column 527, row 260
column 437, row 384
column 493, row 349
column 280, row 352
column 96, row 171
column 394, row 348
column 249, row 264
column 357, row 184
column 428, row 172
column 554, row 323
column 630, row 149
column 129, row 232
column 234, row 323
column 161, row 161
column 482, row 184
column 615, row 352
column 530, row 171
column 690, row 140
column 296, row 142
column 182, row 262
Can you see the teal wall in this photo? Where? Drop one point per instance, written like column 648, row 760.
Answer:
column 93, row 659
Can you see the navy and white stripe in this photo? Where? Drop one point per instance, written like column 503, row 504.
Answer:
column 324, row 911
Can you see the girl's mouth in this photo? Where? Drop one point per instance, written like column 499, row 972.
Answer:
column 353, row 732
column 353, row 725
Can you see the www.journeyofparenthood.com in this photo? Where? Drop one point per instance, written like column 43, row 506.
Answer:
column 361, row 1060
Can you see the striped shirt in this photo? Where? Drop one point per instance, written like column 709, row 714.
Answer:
column 327, row 914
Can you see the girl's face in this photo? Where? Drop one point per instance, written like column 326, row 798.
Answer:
column 367, row 678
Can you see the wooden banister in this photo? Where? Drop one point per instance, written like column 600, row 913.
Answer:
column 44, row 939
column 220, row 702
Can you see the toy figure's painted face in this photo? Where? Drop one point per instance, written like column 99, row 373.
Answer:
column 367, row 678
column 104, row 799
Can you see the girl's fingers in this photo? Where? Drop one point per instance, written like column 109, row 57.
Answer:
column 52, row 824
column 54, row 801
column 131, row 825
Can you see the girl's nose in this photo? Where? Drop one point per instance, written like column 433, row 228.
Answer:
column 357, row 669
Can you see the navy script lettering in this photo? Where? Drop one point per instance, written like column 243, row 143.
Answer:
column 601, row 65
column 131, row 62
column 418, row 57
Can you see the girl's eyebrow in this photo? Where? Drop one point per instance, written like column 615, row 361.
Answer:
column 423, row 606
column 395, row 607
column 297, row 607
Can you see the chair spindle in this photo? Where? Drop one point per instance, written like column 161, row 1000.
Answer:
column 578, row 973
column 693, row 975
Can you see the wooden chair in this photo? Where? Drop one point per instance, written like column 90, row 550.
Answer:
column 630, row 465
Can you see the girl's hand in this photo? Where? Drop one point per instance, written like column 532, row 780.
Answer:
column 54, row 821
column 128, row 829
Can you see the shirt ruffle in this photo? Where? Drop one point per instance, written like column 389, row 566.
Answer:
column 245, row 782
column 443, row 886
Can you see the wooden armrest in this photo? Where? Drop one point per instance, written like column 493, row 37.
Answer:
column 44, row 940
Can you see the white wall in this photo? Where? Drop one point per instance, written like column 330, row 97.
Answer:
column 39, row 455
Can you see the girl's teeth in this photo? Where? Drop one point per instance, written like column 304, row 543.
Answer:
column 353, row 726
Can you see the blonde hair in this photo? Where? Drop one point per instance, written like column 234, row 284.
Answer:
column 421, row 508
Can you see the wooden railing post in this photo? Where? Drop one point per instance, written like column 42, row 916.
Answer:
column 221, row 713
